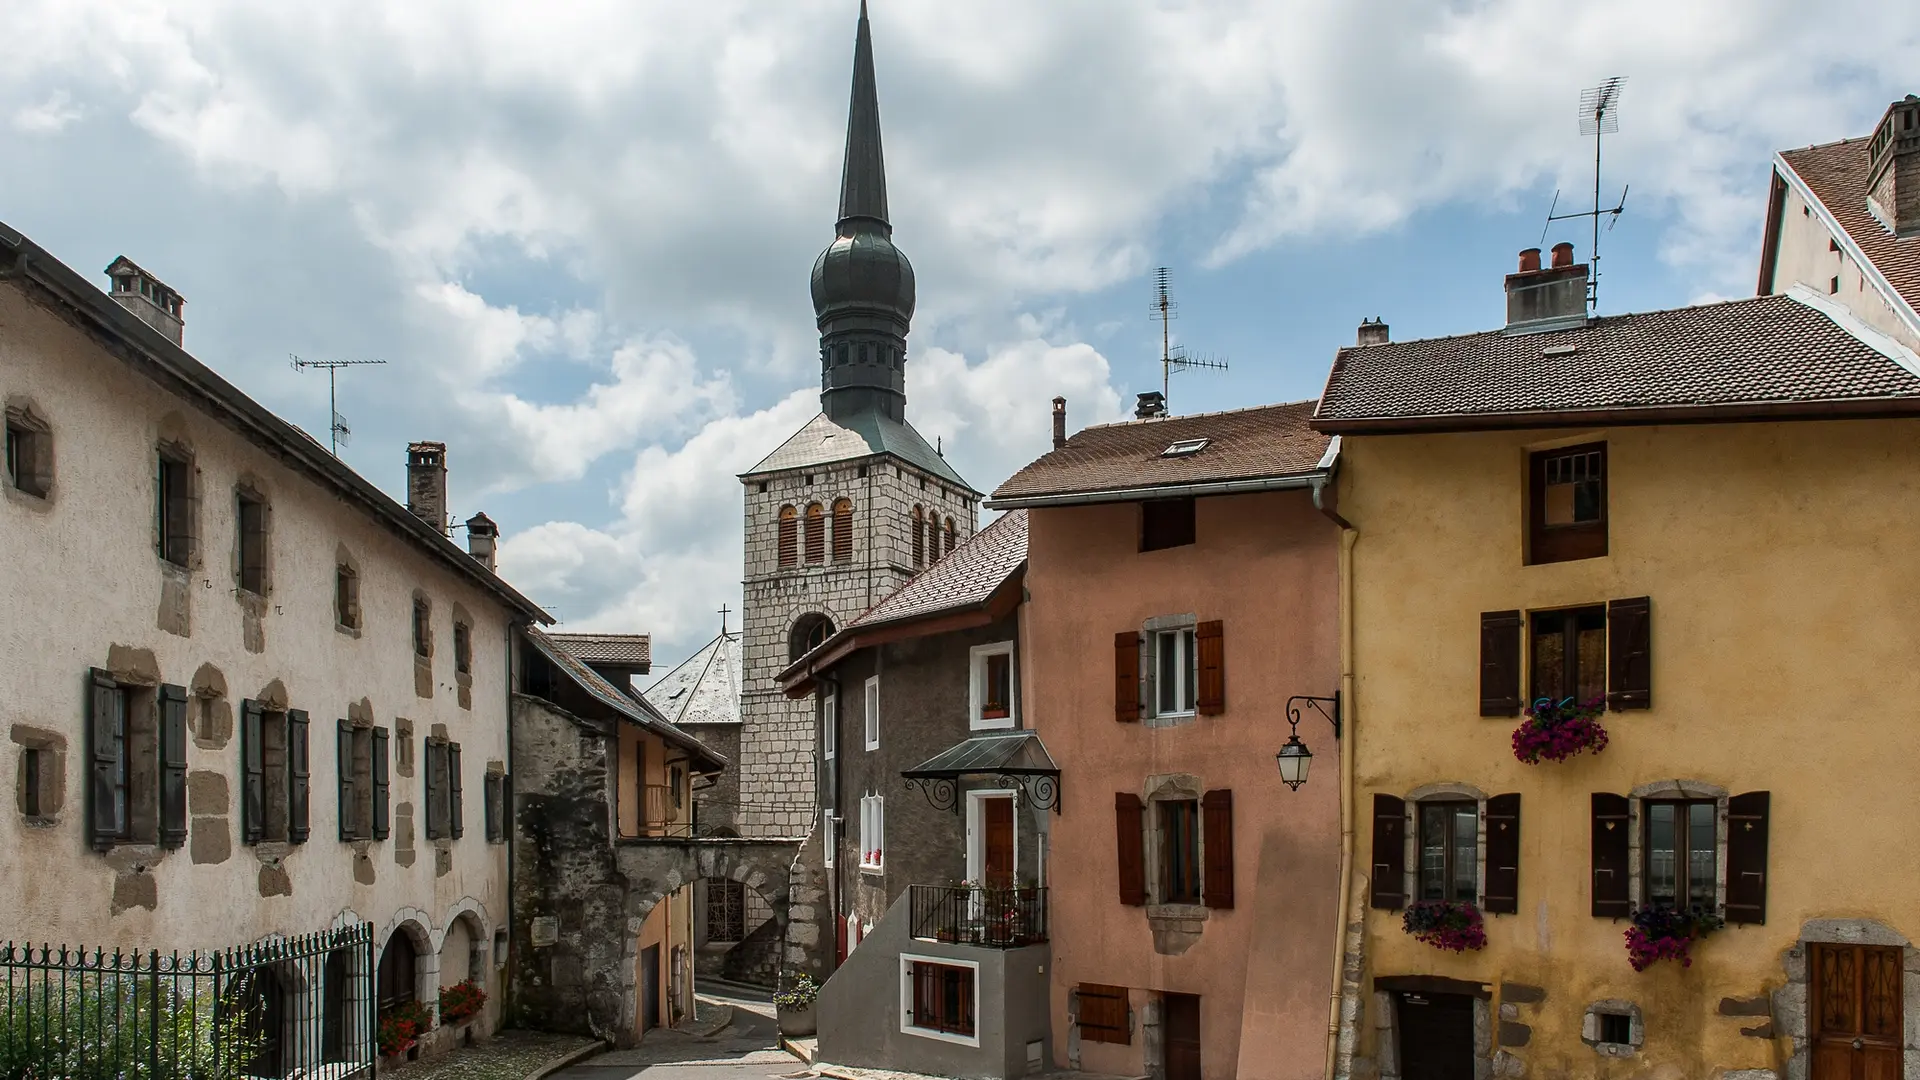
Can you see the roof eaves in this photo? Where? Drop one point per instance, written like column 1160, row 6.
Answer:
column 1844, row 237
column 1630, row 416
column 1087, row 496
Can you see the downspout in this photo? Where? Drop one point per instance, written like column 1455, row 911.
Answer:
column 1348, row 536
column 832, row 837
column 513, row 630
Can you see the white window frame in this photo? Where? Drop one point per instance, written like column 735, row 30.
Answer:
column 828, row 841
column 830, row 724
column 1186, row 643
column 977, row 833
column 977, row 687
column 907, row 960
column 871, row 713
column 873, row 832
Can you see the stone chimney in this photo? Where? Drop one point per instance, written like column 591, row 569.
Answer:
column 1151, row 404
column 152, row 302
column 1059, row 422
column 483, row 537
column 1551, row 299
column 427, row 482
column 1372, row 332
column 1893, row 168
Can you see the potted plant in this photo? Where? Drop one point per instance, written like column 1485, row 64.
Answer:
column 1454, row 925
column 1664, row 933
column 793, row 1004
column 461, row 1002
column 401, row 1027
column 1556, row 731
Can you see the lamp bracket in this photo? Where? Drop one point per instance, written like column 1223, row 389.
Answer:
column 1327, row 707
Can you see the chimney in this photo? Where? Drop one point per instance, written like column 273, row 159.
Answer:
column 1059, row 422
column 1372, row 332
column 483, row 536
column 149, row 300
column 427, row 482
column 1551, row 299
column 1152, row 403
column 1893, row 168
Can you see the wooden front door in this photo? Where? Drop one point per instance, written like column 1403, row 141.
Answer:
column 1436, row 1036
column 1857, row 1024
column 996, row 817
column 1180, row 1035
column 649, row 988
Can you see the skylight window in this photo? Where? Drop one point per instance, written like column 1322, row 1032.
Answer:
column 1184, row 448
column 1560, row 350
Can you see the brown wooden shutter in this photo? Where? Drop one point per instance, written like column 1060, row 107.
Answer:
column 1216, row 818
column 1211, row 698
column 1129, row 818
column 1629, row 654
column 173, row 766
column 1611, row 899
column 1126, row 676
column 1500, row 663
column 1503, row 856
column 381, row 814
column 842, row 531
column 102, row 700
column 1747, row 857
column 298, row 777
column 253, row 774
column 456, row 812
column 1389, row 890
column 343, row 759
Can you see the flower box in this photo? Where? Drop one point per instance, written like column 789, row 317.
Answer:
column 1556, row 731
column 1660, row 933
column 1453, row 925
column 461, row 1002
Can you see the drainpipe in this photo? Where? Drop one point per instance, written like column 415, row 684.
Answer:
column 506, row 997
column 1348, row 536
column 833, row 879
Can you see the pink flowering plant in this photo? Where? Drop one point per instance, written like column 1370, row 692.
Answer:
column 1556, row 731
column 1454, row 925
column 1664, row 933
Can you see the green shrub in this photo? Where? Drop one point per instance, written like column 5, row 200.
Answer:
column 122, row 1027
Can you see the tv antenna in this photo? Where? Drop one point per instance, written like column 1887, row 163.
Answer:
column 338, row 433
column 1599, row 116
column 1173, row 357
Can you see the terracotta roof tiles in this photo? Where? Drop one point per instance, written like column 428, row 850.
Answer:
column 1836, row 173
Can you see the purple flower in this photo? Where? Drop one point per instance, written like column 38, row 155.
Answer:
column 1557, row 731
column 1660, row 933
column 1454, row 925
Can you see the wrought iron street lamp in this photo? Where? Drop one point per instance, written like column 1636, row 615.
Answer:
column 1294, row 759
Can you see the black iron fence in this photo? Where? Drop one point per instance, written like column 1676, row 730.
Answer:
column 997, row 918
column 300, row 1008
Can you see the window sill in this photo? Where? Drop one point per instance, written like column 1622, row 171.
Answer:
column 866, row 868
column 991, row 723
column 1169, row 720
column 350, row 631
column 942, row 1036
column 872, row 746
column 1178, row 911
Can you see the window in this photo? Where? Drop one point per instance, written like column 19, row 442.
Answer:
column 33, row 764
column 251, row 516
column 137, row 752
column 1179, row 851
column 726, row 910
column 1450, row 851
column 29, row 453
column 175, row 508
column 1681, row 854
column 1833, row 285
column 394, row 984
column 952, row 534
column 462, row 648
column 816, row 534
column 829, row 838
column 873, row 831
column 1569, row 654
column 1615, row 1028
column 422, row 627
column 444, row 811
column 1184, row 448
column 992, row 686
column 346, row 596
column 1166, row 523
column 676, row 785
column 919, row 536
column 1567, row 511
column 941, row 998
column 933, row 539
column 354, row 764
column 789, row 542
column 1104, row 1015
column 830, row 725
column 497, row 793
column 1175, row 671
column 872, row 711
column 274, row 774
column 843, row 530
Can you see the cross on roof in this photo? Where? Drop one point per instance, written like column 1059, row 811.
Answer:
column 723, row 618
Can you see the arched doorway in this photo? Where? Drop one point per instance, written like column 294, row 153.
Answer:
column 335, row 990
column 809, row 631
column 398, row 980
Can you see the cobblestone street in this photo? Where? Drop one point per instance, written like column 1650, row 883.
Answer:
column 749, row 1047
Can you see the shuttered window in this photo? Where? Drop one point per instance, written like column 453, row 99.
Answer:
column 299, row 777
column 789, row 537
column 351, row 788
column 1681, row 853
column 1747, row 857
column 436, row 765
column 1216, row 812
column 1503, row 855
column 456, row 809
column 1500, row 663
column 1210, row 643
column 1612, row 897
column 1129, row 815
column 842, row 531
column 173, row 766
column 1388, row 888
column 1568, row 655
column 174, row 484
column 1630, row 653
column 1104, row 1016
column 943, row 997
column 1449, row 850
column 1126, row 676
column 919, row 537
column 816, row 533
column 106, row 760
column 274, row 774
column 382, row 813
column 251, row 515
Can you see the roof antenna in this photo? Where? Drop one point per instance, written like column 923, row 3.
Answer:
column 1599, row 115
column 1173, row 357
column 339, row 434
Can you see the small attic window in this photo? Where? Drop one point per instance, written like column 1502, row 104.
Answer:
column 1185, row 448
column 1560, row 350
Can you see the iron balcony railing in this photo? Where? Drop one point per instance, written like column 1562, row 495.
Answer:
column 992, row 917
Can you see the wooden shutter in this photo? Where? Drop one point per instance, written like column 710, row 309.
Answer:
column 343, row 751
column 298, row 774
column 173, row 766
column 1611, row 899
column 431, row 813
column 456, row 813
column 1126, row 676
column 1500, row 663
column 1503, row 856
column 253, row 774
column 102, row 693
column 1629, row 654
column 1211, row 698
column 179, row 510
column 490, row 805
column 1747, row 857
column 1129, row 817
column 380, row 791
column 1216, row 819
column 842, row 531
column 1389, row 890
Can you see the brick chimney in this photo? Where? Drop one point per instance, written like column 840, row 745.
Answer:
column 149, row 300
column 1150, row 404
column 483, row 537
column 427, row 482
column 1551, row 299
column 1893, row 168
column 1372, row 332
column 1059, row 422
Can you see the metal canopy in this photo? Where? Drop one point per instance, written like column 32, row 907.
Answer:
column 1015, row 756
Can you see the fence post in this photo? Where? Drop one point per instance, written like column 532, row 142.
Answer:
column 153, row 1015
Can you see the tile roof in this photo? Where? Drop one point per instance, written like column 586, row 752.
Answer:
column 1264, row 442
column 633, row 710
column 627, row 650
column 1765, row 355
column 964, row 577
column 704, row 688
column 822, row 442
column 1836, row 173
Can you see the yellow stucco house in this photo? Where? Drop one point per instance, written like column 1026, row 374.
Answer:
column 1693, row 530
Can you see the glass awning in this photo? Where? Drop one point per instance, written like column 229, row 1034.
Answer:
column 1017, row 756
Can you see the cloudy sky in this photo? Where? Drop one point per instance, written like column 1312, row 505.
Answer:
column 579, row 231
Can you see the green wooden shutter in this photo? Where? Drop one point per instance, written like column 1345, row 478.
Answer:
column 253, row 774
column 299, row 774
column 348, row 800
column 456, row 811
column 381, row 811
column 103, row 818
column 173, row 766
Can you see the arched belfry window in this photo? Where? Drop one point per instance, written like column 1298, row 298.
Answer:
column 809, row 631
column 919, row 537
column 816, row 533
column 789, row 536
column 843, row 530
column 951, row 535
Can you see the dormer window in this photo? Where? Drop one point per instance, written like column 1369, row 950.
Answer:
column 1185, row 448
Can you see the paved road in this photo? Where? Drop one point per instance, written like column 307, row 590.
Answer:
column 747, row 1049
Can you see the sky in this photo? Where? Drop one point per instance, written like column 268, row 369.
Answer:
column 579, row 231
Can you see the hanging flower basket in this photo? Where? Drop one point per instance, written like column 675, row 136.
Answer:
column 1660, row 933
column 1454, row 925
column 1556, row 731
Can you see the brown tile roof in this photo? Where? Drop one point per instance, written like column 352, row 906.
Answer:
column 965, row 577
column 1836, row 173
column 627, row 650
column 631, row 708
column 1770, row 355
column 1244, row 444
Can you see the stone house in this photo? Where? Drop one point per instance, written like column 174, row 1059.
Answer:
column 243, row 680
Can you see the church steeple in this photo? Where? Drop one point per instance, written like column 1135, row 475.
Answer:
column 863, row 291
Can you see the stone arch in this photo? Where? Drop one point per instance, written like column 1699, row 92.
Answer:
column 465, row 948
column 411, row 927
column 809, row 630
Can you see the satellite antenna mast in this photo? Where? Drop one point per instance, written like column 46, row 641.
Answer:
column 1599, row 116
column 337, row 430
column 1173, row 357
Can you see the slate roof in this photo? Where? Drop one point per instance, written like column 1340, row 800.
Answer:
column 1262, row 442
column 1836, row 173
column 822, row 441
column 1792, row 354
column 704, row 688
column 625, row 650
column 964, row 577
column 633, row 710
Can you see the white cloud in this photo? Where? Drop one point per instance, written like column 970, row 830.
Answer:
column 47, row 116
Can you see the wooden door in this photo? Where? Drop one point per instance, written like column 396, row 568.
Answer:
column 649, row 988
column 1180, row 1035
column 1857, row 1023
column 1436, row 1036
column 996, row 816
